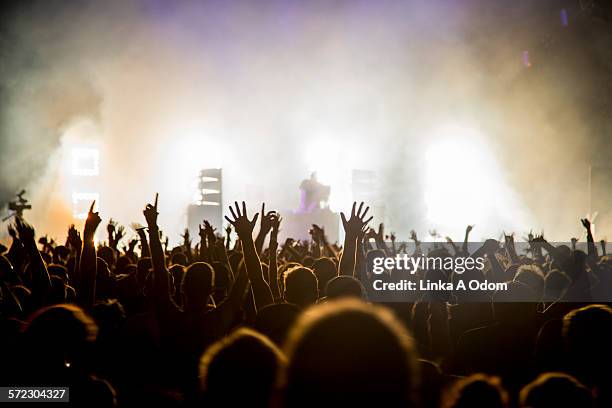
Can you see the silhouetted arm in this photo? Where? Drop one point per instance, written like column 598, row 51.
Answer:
column 145, row 251
column 161, row 285
column 592, row 249
column 86, row 285
column 379, row 238
column 265, row 225
column 453, row 245
column 489, row 248
column 511, row 249
column 273, row 266
column 464, row 247
column 244, row 228
column 352, row 228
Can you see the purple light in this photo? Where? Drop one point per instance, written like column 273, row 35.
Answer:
column 564, row 17
column 526, row 62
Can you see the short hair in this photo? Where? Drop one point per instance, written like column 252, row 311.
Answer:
column 587, row 335
column 179, row 258
column 551, row 390
column 344, row 286
column 325, row 269
column 532, row 276
column 301, row 286
column 475, row 391
column 198, row 280
column 246, row 361
column 348, row 352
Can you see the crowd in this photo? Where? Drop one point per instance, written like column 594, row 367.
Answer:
column 254, row 322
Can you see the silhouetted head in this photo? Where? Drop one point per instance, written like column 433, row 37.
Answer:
column 325, row 269
column 345, row 286
column 108, row 254
column 477, row 390
column 110, row 317
column 301, row 286
column 587, row 334
column 555, row 285
column 552, row 390
column 58, row 290
column 122, row 262
column 349, row 353
column 56, row 337
column 198, row 283
column 179, row 258
column 59, row 271
column 275, row 320
column 240, row 370
column 143, row 267
column 533, row 277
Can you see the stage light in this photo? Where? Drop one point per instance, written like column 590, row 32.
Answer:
column 464, row 184
column 85, row 161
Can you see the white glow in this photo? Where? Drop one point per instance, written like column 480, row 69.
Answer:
column 85, row 161
column 332, row 163
column 463, row 183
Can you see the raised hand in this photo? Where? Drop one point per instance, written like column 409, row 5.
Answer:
column 276, row 222
column 25, row 230
column 586, row 223
column 317, row 233
column 120, row 233
column 186, row 238
column 356, row 222
column 266, row 218
column 110, row 227
column 209, row 231
column 74, row 238
column 150, row 213
column 92, row 221
column 131, row 245
column 241, row 223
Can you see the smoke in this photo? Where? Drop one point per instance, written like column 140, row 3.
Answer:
column 272, row 90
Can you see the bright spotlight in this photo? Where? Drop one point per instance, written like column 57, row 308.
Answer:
column 463, row 183
column 85, row 161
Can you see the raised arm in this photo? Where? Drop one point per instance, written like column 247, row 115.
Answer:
column 592, row 249
column 244, row 227
column 352, row 228
column 511, row 248
column 41, row 283
column 379, row 238
column 273, row 266
column 161, row 286
column 316, row 240
column 453, row 245
column 265, row 225
column 464, row 247
column 86, row 284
